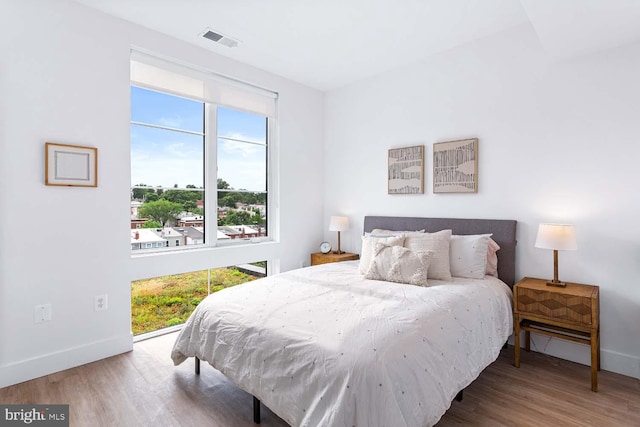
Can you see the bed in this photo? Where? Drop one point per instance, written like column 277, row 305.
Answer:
column 325, row 346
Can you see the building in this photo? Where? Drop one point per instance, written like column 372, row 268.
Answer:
column 193, row 235
column 168, row 237
column 147, row 238
column 230, row 232
column 246, row 231
column 137, row 223
column 173, row 236
column 135, row 204
column 191, row 221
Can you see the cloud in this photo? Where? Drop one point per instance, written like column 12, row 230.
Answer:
column 166, row 171
column 171, row 122
column 164, row 158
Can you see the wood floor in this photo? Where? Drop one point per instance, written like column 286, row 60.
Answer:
column 143, row 388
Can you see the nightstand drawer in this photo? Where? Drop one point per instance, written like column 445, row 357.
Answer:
column 320, row 258
column 555, row 306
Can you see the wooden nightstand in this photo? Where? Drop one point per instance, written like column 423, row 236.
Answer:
column 320, row 258
column 571, row 313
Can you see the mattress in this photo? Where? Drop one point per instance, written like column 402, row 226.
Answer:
column 322, row 346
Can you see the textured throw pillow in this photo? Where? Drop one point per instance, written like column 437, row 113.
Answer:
column 492, row 258
column 368, row 245
column 468, row 255
column 399, row 264
column 439, row 244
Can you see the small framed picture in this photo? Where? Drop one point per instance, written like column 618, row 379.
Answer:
column 406, row 170
column 71, row 165
column 455, row 166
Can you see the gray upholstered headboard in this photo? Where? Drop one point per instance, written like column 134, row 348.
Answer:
column 504, row 233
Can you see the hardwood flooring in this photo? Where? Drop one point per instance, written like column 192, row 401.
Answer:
column 143, row 388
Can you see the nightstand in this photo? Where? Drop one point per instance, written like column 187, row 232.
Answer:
column 320, row 258
column 571, row 313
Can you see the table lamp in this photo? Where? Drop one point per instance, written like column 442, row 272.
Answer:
column 559, row 237
column 339, row 223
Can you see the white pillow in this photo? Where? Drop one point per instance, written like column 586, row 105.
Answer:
column 468, row 255
column 398, row 264
column 439, row 244
column 368, row 245
column 492, row 258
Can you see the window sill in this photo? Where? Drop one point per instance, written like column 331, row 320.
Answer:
column 201, row 248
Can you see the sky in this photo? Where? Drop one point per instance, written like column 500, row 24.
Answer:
column 161, row 157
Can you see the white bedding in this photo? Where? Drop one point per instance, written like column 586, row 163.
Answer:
column 322, row 346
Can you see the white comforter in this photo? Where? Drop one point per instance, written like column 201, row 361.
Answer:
column 322, row 346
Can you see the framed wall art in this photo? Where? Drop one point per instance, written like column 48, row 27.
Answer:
column 406, row 170
column 455, row 166
column 71, row 165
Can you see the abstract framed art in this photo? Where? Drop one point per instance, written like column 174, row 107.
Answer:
column 406, row 170
column 71, row 165
column 455, row 166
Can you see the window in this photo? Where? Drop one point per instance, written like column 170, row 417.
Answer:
column 162, row 302
column 242, row 172
column 167, row 163
column 199, row 158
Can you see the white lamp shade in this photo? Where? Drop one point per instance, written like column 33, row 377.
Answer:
column 339, row 223
column 561, row 237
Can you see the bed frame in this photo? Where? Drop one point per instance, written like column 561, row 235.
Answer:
column 504, row 234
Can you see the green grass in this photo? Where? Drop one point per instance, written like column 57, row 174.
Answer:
column 169, row 300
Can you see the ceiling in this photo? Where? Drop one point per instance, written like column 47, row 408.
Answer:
column 331, row 43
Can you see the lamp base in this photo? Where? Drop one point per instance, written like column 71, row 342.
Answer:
column 338, row 252
column 557, row 284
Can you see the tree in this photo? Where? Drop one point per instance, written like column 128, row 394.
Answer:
column 229, row 200
column 188, row 199
column 189, row 206
column 152, row 224
column 222, row 184
column 242, row 217
column 237, row 218
column 178, row 196
column 253, row 198
column 142, row 193
column 249, row 198
column 255, row 220
column 137, row 193
column 161, row 210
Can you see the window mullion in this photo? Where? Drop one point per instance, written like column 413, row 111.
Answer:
column 272, row 182
column 211, row 173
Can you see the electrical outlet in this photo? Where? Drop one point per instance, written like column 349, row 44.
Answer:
column 100, row 302
column 42, row 313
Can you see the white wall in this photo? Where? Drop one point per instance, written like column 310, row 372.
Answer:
column 64, row 77
column 558, row 142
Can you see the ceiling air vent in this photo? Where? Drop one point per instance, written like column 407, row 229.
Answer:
column 219, row 38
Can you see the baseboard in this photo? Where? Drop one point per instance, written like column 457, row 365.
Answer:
column 624, row 364
column 619, row 363
column 25, row 370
